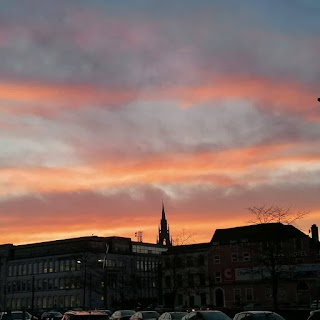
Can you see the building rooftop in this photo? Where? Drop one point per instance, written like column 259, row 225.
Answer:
column 257, row 233
column 188, row 248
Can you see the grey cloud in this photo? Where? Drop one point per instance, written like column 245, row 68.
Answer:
column 154, row 128
column 110, row 44
column 147, row 128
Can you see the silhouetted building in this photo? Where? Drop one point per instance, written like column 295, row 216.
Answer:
column 185, row 278
column 87, row 272
column 245, row 261
column 234, row 269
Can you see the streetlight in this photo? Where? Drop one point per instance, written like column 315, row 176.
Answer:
column 104, row 267
column 84, row 283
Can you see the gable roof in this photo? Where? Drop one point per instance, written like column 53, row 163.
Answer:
column 257, row 233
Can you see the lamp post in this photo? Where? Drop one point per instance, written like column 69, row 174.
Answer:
column 84, row 283
column 104, row 262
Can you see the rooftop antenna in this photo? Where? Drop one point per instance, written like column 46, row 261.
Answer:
column 138, row 235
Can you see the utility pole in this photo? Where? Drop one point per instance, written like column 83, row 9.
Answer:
column 84, row 262
column 105, row 275
column 32, row 295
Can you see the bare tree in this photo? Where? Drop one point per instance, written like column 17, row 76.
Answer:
column 184, row 237
column 273, row 213
column 274, row 255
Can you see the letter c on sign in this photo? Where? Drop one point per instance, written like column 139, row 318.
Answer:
column 227, row 273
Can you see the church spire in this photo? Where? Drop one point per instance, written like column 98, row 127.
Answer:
column 164, row 234
column 163, row 212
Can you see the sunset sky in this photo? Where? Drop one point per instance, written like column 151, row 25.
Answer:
column 108, row 108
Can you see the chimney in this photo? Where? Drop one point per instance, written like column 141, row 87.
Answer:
column 314, row 233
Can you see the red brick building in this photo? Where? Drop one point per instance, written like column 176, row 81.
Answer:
column 264, row 264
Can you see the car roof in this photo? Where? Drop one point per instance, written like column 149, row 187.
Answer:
column 173, row 312
column 207, row 311
column 84, row 313
column 255, row 311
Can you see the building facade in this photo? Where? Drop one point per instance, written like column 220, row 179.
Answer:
column 267, row 264
column 87, row 272
column 185, row 276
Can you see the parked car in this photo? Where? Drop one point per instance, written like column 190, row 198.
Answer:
column 189, row 316
column 108, row 312
column 314, row 315
column 208, row 315
column 85, row 315
column 143, row 315
column 51, row 315
column 257, row 315
column 253, row 306
column 122, row 315
column 17, row 315
column 172, row 315
column 161, row 309
column 315, row 304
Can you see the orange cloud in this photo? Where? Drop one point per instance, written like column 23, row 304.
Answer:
column 286, row 96
column 46, row 98
column 223, row 168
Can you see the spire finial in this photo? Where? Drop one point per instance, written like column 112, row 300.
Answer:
column 163, row 212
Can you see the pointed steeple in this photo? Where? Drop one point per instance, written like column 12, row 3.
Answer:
column 163, row 212
column 164, row 234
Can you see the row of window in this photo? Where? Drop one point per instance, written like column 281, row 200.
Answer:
column 40, row 285
column 147, row 249
column 146, row 282
column 189, row 261
column 235, row 257
column 49, row 302
column 60, row 265
column 43, row 285
column 243, row 294
column 248, row 295
column 295, row 243
column 43, row 266
column 146, row 265
column 190, row 280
